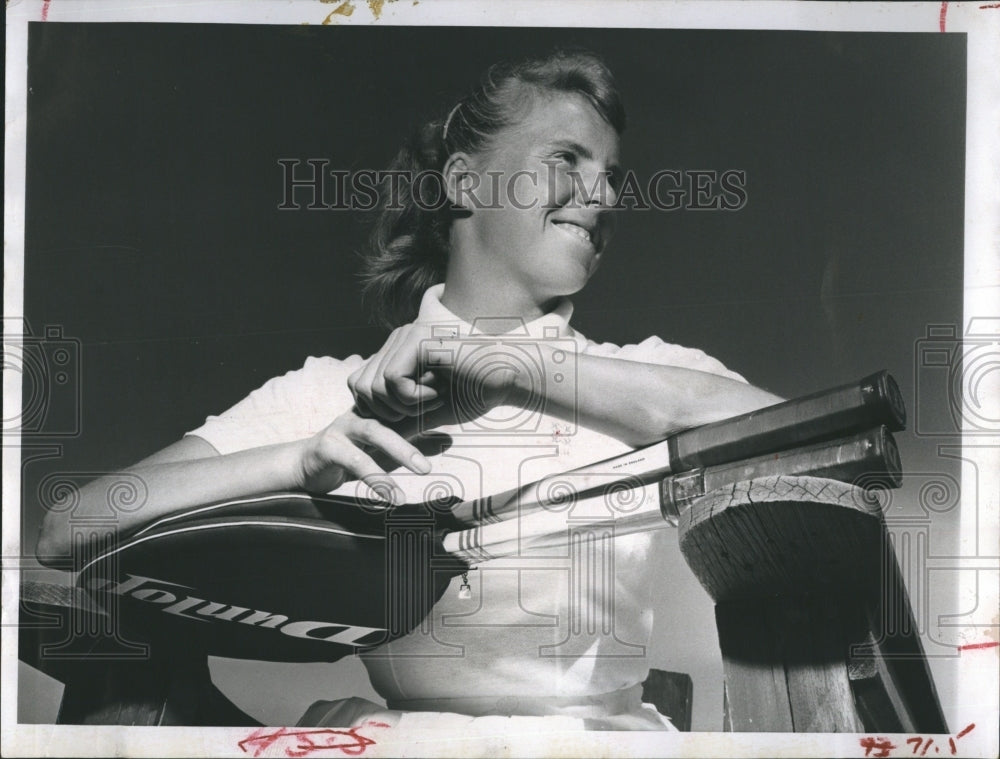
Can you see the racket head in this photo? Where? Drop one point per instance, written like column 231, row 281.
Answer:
column 280, row 578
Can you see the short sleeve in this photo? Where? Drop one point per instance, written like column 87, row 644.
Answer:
column 293, row 406
column 653, row 350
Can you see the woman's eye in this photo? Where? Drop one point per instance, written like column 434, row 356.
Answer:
column 566, row 156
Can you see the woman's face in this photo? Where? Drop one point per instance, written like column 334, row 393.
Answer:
column 546, row 189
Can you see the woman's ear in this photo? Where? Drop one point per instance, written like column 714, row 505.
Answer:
column 460, row 180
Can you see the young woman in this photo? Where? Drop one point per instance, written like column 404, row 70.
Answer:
column 528, row 162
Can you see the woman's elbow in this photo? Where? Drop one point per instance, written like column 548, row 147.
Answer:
column 52, row 548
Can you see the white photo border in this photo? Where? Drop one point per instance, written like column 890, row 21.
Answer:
column 978, row 675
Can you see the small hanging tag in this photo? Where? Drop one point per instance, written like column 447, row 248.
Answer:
column 465, row 590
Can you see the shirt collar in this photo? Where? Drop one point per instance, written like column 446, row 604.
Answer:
column 554, row 324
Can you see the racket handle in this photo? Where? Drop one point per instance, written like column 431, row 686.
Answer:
column 868, row 458
column 870, row 402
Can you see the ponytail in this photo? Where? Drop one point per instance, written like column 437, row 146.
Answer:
column 409, row 244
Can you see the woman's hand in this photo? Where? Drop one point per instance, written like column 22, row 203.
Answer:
column 392, row 385
column 418, row 373
column 340, row 452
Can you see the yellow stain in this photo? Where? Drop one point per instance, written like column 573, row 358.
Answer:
column 344, row 9
column 377, row 6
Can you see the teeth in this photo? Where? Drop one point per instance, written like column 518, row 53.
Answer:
column 572, row 228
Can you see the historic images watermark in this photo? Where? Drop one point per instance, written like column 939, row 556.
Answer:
column 310, row 184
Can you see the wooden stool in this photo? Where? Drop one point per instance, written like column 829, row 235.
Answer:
column 815, row 626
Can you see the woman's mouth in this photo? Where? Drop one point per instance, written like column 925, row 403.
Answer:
column 575, row 230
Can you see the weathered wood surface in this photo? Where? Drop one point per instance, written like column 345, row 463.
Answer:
column 879, row 702
column 782, row 536
column 814, row 625
column 756, row 690
column 672, row 693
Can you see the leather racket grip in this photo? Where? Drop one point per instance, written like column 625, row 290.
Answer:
column 864, row 404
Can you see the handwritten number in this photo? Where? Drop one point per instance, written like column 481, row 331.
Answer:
column 882, row 746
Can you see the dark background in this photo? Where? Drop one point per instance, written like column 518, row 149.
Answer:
column 153, row 235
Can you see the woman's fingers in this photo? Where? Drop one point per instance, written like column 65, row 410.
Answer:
column 368, row 384
column 381, row 396
column 410, row 393
column 341, row 452
column 371, row 406
column 372, row 433
column 408, row 385
column 344, row 457
column 389, row 386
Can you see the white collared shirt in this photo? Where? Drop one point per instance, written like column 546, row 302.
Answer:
column 545, row 623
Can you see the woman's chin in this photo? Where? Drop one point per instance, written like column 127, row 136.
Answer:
column 569, row 285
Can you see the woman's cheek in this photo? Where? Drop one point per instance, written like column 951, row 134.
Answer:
column 558, row 187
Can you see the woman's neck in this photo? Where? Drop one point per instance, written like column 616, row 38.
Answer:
column 472, row 293
column 470, row 301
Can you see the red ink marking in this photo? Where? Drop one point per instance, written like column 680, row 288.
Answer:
column 968, row 729
column 298, row 743
column 972, row 646
column 373, row 723
column 988, row 6
column 942, row 16
column 918, row 744
column 880, row 745
column 45, row 10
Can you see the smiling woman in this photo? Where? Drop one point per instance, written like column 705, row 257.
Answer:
column 560, row 118
column 530, row 162
column 545, row 235
column 491, row 272
column 168, row 258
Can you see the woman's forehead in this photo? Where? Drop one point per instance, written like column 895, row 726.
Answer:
column 560, row 116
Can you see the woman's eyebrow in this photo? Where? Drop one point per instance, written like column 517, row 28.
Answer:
column 581, row 150
column 572, row 145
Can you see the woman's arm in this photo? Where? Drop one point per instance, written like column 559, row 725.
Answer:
column 190, row 473
column 636, row 402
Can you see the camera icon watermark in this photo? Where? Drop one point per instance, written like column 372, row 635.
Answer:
column 957, row 379
column 49, row 365
column 502, row 353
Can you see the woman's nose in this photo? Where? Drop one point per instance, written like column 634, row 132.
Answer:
column 594, row 189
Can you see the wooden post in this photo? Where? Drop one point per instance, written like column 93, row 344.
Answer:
column 798, row 569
